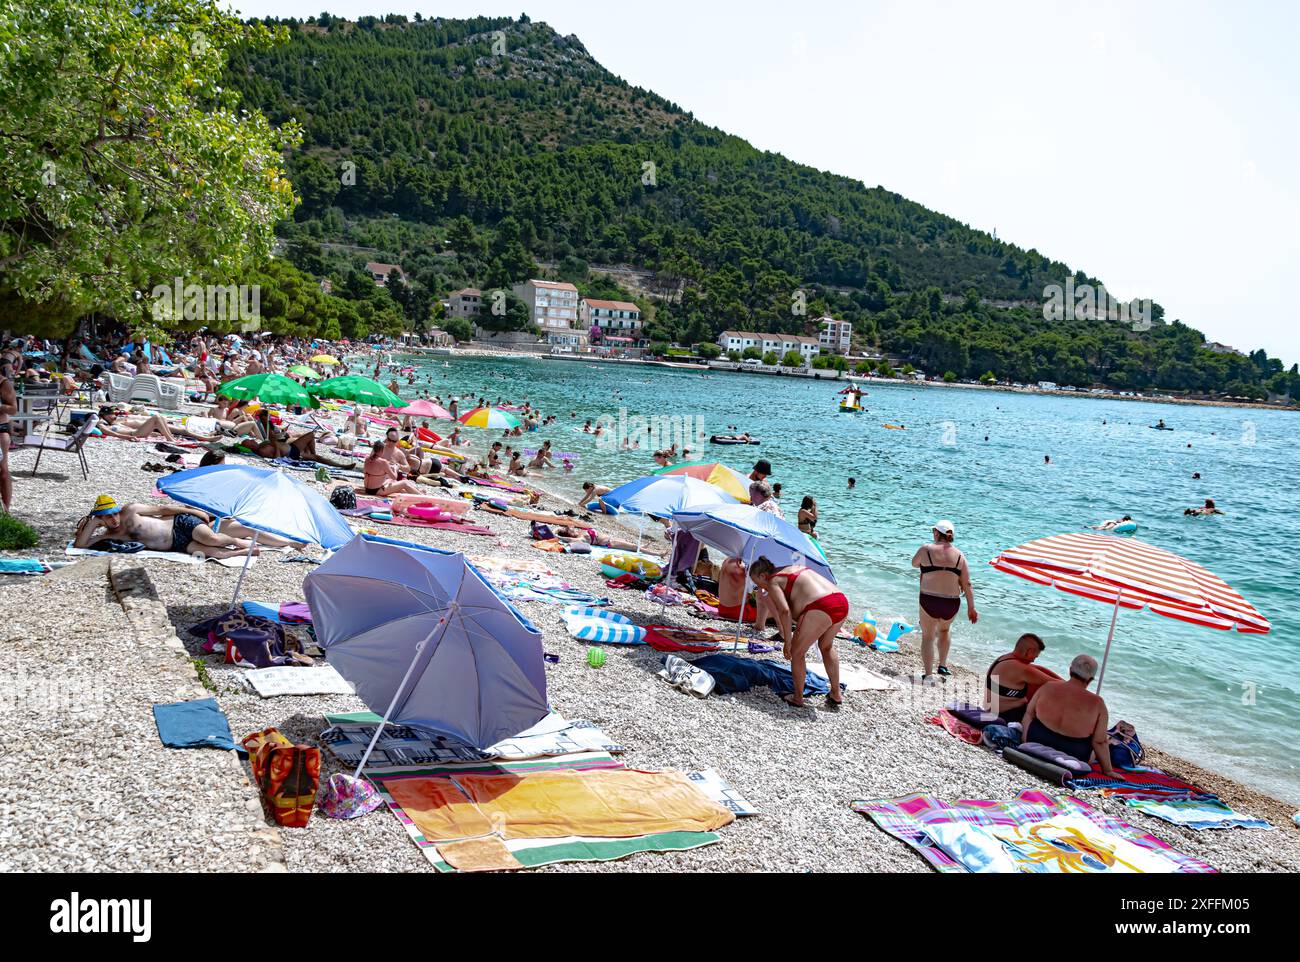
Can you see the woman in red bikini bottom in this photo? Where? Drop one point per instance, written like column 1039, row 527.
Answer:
column 818, row 609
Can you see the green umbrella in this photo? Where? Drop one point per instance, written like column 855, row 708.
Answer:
column 354, row 387
column 302, row 370
column 269, row 389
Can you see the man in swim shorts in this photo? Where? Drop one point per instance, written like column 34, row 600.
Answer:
column 1066, row 716
column 159, row 528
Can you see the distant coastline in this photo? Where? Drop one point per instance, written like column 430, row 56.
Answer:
column 831, row 375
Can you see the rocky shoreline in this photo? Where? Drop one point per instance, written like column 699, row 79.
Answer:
column 800, row 767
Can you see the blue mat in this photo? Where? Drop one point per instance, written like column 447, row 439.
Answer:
column 194, row 724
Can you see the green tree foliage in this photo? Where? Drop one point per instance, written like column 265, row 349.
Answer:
column 471, row 167
column 127, row 160
column 792, row 359
column 459, row 328
column 708, row 350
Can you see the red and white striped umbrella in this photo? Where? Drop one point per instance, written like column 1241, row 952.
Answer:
column 1128, row 573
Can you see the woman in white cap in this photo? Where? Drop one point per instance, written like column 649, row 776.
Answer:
column 945, row 577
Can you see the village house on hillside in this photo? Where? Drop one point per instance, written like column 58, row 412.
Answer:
column 380, row 272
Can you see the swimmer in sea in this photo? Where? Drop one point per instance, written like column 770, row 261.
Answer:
column 1111, row 525
column 1205, row 511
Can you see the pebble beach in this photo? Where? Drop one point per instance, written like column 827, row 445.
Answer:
column 92, row 789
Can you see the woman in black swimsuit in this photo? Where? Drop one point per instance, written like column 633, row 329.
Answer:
column 945, row 577
column 807, row 516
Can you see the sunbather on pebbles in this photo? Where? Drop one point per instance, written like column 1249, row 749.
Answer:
column 161, row 527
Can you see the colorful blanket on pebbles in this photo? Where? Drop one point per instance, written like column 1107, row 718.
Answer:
column 494, row 815
column 1032, row 833
column 1152, row 792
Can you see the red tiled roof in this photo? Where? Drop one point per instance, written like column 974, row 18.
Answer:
column 614, row 305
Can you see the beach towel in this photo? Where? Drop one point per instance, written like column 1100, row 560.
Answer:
column 669, row 638
column 602, row 803
column 926, row 823
column 274, row 682
column 854, row 678
column 1144, row 783
column 404, row 522
column 551, row 594
column 1196, row 813
column 399, row 745
column 23, row 566
column 955, row 727
column 193, row 724
column 173, row 556
column 487, row 852
column 736, row 674
column 283, row 613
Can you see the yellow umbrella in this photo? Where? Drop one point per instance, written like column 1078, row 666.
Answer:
column 324, row 359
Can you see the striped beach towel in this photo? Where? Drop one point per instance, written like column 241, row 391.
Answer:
column 534, row 852
column 907, row 819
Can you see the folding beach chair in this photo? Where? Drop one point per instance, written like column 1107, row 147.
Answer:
column 73, row 444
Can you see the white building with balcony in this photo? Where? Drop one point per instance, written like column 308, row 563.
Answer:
column 552, row 305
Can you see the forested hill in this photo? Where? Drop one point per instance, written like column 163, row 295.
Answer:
column 469, row 150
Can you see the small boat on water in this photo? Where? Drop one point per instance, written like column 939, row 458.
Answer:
column 850, row 409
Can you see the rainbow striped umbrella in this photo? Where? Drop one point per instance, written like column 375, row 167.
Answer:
column 728, row 479
column 489, row 418
column 1132, row 574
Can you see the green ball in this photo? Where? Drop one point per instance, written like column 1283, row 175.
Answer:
column 595, row 657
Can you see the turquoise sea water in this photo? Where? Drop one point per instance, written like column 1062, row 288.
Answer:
column 1226, row 700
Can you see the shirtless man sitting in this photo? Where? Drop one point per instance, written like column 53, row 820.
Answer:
column 1066, row 716
column 1013, row 679
column 159, row 527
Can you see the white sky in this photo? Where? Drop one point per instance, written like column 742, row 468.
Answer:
column 1152, row 144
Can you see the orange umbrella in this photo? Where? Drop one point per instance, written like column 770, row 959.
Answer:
column 728, row 479
column 1128, row 573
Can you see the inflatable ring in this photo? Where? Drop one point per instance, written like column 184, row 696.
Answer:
column 1128, row 527
column 428, row 512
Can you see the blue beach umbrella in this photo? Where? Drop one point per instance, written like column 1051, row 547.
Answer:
column 747, row 533
column 420, row 631
column 263, row 499
column 664, row 494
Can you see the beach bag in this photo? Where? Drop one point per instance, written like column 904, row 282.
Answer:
column 287, row 774
column 344, row 498
column 1125, row 749
column 541, row 532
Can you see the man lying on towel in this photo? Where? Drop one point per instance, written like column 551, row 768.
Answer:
column 1013, row 679
column 167, row 528
column 1066, row 716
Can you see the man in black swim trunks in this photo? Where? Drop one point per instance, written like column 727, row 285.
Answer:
column 1066, row 716
column 158, row 527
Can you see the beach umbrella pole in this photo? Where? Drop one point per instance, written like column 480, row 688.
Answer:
column 1109, row 638
column 248, row 559
column 740, row 618
column 401, row 688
